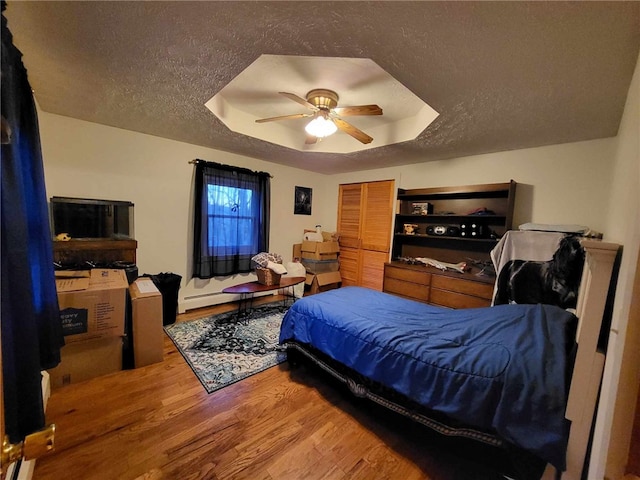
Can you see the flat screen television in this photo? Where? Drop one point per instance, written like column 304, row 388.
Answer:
column 92, row 218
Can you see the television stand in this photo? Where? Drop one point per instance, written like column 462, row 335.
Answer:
column 98, row 250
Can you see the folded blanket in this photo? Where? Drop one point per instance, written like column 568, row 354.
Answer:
column 543, row 227
column 276, row 268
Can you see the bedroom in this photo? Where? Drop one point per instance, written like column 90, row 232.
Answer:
column 592, row 180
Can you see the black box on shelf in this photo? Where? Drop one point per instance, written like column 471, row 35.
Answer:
column 421, row 208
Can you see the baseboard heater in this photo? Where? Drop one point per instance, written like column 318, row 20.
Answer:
column 191, row 302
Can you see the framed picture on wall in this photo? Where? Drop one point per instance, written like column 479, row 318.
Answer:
column 302, row 201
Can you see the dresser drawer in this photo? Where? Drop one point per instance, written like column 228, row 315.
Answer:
column 406, row 274
column 406, row 289
column 459, row 285
column 447, row 298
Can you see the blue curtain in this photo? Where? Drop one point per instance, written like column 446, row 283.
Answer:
column 31, row 329
column 231, row 218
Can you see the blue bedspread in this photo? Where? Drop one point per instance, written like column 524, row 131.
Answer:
column 500, row 368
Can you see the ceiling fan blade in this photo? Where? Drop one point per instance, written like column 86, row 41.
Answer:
column 300, row 100
column 351, row 130
column 359, row 110
column 310, row 140
column 285, row 117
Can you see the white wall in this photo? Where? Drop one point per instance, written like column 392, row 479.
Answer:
column 83, row 159
column 622, row 368
column 558, row 184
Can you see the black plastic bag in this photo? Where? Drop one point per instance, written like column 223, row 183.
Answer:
column 169, row 285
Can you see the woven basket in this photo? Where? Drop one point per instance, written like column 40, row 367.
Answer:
column 267, row 276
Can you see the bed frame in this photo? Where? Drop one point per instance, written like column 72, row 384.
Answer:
column 589, row 363
column 585, row 381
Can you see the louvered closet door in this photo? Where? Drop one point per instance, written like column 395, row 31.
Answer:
column 349, row 214
column 377, row 216
column 372, row 269
column 365, row 216
column 349, row 266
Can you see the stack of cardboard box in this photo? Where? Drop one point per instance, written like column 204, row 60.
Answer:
column 93, row 306
column 92, row 311
column 320, row 260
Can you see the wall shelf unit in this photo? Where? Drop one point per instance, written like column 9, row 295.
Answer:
column 444, row 226
column 456, row 222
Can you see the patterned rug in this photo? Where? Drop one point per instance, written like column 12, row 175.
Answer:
column 222, row 350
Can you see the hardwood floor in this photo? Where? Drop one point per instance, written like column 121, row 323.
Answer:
column 157, row 422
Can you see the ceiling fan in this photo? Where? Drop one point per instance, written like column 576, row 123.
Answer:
column 327, row 115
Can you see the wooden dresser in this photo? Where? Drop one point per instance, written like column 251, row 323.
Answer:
column 430, row 285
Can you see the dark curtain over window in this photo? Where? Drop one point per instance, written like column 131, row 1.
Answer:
column 231, row 219
column 31, row 329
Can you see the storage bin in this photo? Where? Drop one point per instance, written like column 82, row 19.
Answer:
column 320, row 266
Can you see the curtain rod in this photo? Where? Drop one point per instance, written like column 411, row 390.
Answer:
column 230, row 167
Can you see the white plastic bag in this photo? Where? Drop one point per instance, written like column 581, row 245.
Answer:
column 296, row 269
column 314, row 236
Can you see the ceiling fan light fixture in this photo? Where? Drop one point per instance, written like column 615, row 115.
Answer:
column 323, row 98
column 321, row 127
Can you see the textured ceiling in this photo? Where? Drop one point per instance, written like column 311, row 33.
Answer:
column 502, row 75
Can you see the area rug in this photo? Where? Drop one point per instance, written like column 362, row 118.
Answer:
column 222, row 349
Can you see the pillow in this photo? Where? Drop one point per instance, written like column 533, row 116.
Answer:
column 276, row 267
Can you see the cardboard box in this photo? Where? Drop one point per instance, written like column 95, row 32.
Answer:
column 82, row 361
column 321, row 282
column 146, row 321
column 297, row 251
column 330, row 236
column 319, row 256
column 94, row 307
column 320, row 266
column 320, row 250
column 326, row 236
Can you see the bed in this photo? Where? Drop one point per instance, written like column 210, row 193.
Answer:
column 508, row 375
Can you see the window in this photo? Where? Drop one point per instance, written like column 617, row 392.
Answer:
column 231, row 221
column 229, row 209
